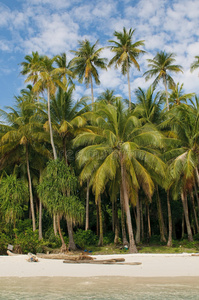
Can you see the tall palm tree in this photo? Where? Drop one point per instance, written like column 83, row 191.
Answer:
column 85, row 63
column 23, row 131
column 117, row 142
column 49, row 79
column 160, row 67
column 126, row 53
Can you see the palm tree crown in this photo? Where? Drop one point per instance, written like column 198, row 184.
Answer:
column 159, row 66
column 126, row 53
column 86, row 61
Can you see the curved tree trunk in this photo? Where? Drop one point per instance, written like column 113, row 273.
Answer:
column 186, row 214
column 169, row 243
column 129, row 86
column 30, row 190
column 63, row 246
column 148, row 220
column 54, row 225
column 132, row 245
column 50, row 127
column 196, row 193
column 116, row 225
column 100, row 243
column 124, row 238
column 166, row 91
column 87, row 206
column 141, row 218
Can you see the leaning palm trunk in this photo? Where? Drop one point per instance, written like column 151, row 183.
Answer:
column 148, row 220
column 100, row 243
column 30, row 190
column 50, row 127
column 169, row 243
column 71, row 245
column 132, row 245
column 63, row 247
column 129, row 86
column 186, row 214
column 55, row 225
column 116, row 225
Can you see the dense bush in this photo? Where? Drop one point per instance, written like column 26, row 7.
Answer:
column 85, row 238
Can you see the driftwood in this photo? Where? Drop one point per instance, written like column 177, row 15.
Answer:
column 195, row 254
column 103, row 261
column 11, row 253
column 65, row 256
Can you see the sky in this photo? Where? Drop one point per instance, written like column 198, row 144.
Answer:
column 52, row 27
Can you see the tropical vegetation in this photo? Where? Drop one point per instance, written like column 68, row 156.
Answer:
column 78, row 173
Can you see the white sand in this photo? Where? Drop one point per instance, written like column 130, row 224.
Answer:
column 153, row 265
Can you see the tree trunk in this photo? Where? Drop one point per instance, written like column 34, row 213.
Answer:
column 186, row 214
column 148, row 220
column 138, row 222
column 194, row 212
column 50, row 127
column 54, row 225
column 100, row 243
column 40, row 220
column 166, row 91
column 196, row 193
column 129, row 86
column 142, row 221
column 169, row 243
column 116, row 225
column 30, row 190
column 63, row 246
column 87, row 206
column 71, row 245
column 124, row 238
column 113, row 214
column 182, row 237
column 132, row 245
column 160, row 218
column 92, row 95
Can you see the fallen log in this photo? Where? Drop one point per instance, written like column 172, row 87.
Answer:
column 65, row 256
column 195, row 254
column 98, row 262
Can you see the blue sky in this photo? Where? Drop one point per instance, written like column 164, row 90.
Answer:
column 55, row 26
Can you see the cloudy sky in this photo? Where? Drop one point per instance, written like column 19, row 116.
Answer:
column 55, row 26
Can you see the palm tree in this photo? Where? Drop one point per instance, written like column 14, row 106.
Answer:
column 117, row 142
column 49, row 78
column 177, row 96
column 108, row 97
column 85, row 63
column 159, row 66
column 126, row 53
column 148, row 107
column 195, row 64
column 23, row 130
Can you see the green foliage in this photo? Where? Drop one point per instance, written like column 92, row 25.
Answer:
column 13, row 195
column 85, row 238
column 4, row 241
column 57, row 191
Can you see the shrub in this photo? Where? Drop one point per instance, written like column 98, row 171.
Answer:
column 85, row 238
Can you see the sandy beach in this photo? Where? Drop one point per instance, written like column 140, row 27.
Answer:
column 152, row 265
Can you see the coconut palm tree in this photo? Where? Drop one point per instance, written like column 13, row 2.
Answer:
column 108, row 97
column 23, row 132
column 117, row 142
column 126, row 53
column 160, row 67
column 86, row 62
column 177, row 96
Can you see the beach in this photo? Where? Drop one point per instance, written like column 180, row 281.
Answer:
column 152, row 265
